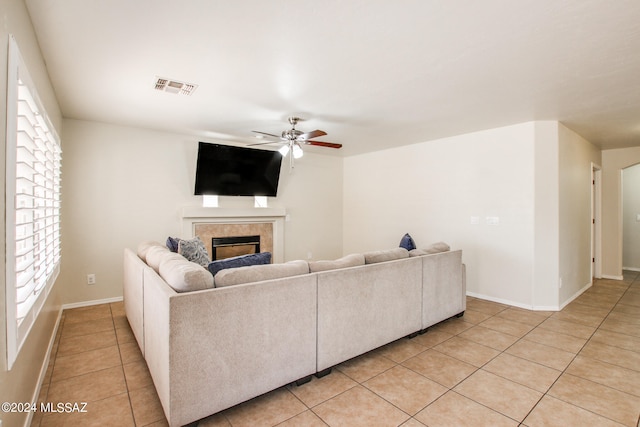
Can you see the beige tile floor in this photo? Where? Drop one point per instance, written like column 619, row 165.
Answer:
column 496, row 366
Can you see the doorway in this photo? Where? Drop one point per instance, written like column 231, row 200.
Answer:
column 631, row 218
column 596, row 214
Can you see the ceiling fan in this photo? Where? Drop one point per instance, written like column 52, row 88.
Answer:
column 293, row 139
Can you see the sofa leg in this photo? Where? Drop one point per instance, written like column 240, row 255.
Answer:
column 323, row 373
column 423, row 331
column 413, row 335
column 459, row 315
column 304, row 380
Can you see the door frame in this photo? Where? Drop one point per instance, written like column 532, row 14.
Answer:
column 596, row 221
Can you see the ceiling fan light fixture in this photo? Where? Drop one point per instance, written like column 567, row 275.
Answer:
column 284, row 150
column 297, row 151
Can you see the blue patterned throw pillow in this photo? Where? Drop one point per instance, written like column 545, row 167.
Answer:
column 240, row 261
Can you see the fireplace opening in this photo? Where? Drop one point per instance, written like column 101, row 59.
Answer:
column 227, row 247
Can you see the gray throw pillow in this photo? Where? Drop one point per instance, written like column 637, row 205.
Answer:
column 194, row 251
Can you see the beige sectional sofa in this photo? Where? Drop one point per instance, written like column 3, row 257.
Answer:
column 211, row 349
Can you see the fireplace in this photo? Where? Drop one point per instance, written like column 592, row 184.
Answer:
column 210, row 223
column 227, row 247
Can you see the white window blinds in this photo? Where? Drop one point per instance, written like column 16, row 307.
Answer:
column 33, row 204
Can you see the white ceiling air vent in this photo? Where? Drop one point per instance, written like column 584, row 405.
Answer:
column 175, row 86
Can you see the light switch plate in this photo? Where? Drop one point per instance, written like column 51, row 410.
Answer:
column 638, row 217
column 493, row 220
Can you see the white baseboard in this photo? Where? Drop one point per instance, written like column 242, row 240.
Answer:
column 44, row 367
column 514, row 303
column 606, row 276
column 631, row 268
column 576, row 295
column 532, row 307
column 93, row 302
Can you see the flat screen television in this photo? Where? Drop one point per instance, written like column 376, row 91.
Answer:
column 226, row 170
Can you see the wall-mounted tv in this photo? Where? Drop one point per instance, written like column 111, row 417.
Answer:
column 226, row 170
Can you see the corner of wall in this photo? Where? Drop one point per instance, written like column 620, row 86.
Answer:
column 546, row 271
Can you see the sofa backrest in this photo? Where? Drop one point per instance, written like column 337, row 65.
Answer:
column 352, row 260
column 385, row 255
column 257, row 273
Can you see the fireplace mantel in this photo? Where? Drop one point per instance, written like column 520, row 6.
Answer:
column 236, row 213
column 276, row 216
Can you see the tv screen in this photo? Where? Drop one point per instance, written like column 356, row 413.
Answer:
column 225, row 170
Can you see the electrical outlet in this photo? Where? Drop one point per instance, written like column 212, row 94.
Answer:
column 91, row 279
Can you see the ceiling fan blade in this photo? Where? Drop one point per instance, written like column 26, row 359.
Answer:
column 268, row 134
column 313, row 134
column 323, row 144
column 265, row 143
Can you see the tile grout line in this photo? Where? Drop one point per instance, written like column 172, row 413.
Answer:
column 569, row 364
column 448, row 389
column 126, row 382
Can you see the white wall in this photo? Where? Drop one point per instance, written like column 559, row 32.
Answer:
column 123, row 185
column 535, row 177
column 576, row 157
column 20, row 383
column 630, row 222
column 613, row 162
column 432, row 190
column 546, row 269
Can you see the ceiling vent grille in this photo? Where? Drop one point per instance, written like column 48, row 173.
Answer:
column 174, row 86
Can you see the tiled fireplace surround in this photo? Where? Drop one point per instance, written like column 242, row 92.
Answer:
column 268, row 223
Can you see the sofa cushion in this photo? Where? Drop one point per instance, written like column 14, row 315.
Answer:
column 352, row 260
column 431, row 249
column 256, row 273
column 239, row 261
column 385, row 255
column 155, row 254
column 407, row 242
column 144, row 247
column 183, row 275
column 194, row 250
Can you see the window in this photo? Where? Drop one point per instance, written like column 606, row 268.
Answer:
column 33, row 165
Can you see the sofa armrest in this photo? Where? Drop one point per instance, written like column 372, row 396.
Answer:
column 444, row 288
column 133, row 294
column 157, row 321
